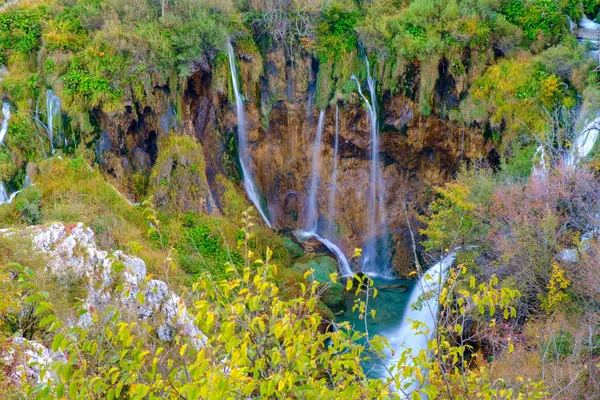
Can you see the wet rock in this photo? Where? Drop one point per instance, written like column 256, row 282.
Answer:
column 400, row 287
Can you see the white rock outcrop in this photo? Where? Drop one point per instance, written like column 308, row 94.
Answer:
column 72, row 251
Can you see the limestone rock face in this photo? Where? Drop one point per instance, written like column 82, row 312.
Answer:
column 72, row 251
column 26, row 359
column 417, row 152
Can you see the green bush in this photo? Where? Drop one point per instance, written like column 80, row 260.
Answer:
column 28, row 205
column 20, row 31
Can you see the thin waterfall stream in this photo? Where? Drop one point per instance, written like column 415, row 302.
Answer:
column 584, row 143
column 5, row 119
column 372, row 262
column 3, row 193
column 242, row 136
column 53, row 104
column 333, row 187
column 312, row 217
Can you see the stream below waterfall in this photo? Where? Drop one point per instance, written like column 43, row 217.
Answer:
column 391, row 304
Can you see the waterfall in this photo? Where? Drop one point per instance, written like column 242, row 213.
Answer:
column 542, row 170
column 312, row 217
column 584, row 143
column 377, row 227
column 249, row 184
column 52, row 111
column 423, row 307
column 429, row 285
column 5, row 118
column 27, row 181
column 343, row 264
column 571, row 24
column 587, row 23
column 3, row 193
column 333, row 191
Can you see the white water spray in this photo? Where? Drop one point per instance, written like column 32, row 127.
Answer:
column 249, row 184
column 588, row 24
column 312, row 217
column 423, row 307
column 5, row 119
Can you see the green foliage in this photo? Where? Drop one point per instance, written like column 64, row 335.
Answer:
column 335, row 33
column 559, row 345
column 178, row 179
column 453, row 218
column 20, row 31
column 536, row 17
column 204, row 251
column 518, row 162
column 518, row 93
column 28, row 206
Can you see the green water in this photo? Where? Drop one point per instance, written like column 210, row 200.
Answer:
column 390, row 305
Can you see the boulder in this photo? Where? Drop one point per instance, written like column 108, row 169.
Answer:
column 323, row 267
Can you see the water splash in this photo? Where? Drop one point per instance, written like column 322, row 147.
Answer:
column 372, row 261
column 571, row 24
column 333, row 191
column 249, row 184
column 5, row 119
column 27, row 181
column 312, row 217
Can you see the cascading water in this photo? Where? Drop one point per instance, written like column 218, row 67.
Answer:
column 584, row 143
column 3, row 193
column 249, row 184
column 377, row 226
column 312, row 215
column 429, row 286
column 540, row 170
column 396, row 310
column 343, row 264
column 52, row 111
column 588, row 24
column 5, row 119
column 333, row 190
column 313, row 211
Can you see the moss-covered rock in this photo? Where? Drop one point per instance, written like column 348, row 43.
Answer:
column 322, row 268
column 292, row 247
column 179, row 176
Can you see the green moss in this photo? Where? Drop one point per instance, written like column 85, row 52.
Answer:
column 292, row 247
column 233, row 201
column 175, row 184
column 323, row 267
